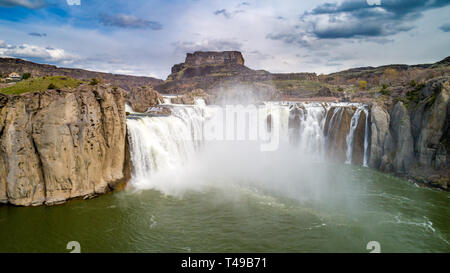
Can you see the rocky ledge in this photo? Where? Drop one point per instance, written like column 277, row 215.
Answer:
column 56, row 145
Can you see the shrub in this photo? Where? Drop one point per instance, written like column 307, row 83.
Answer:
column 362, row 84
column 340, row 89
column 26, row 76
column 412, row 83
column 414, row 95
column 94, row 81
column 390, row 73
column 385, row 92
column 51, row 86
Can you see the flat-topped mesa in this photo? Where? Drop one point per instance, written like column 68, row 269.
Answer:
column 214, row 58
column 201, row 64
column 210, row 58
column 210, row 71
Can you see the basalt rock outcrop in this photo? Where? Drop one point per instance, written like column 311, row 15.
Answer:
column 144, row 97
column 56, row 145
column 381, row 139
column 415, row 140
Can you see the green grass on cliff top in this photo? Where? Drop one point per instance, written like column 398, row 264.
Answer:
column 41, row 84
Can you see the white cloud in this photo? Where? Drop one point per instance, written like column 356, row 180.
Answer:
column 190, row 26
column 73, row 2
column 47, row 54
column 374, row 2
column 207, row 45
column 31, row 4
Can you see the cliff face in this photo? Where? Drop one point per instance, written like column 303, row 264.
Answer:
column 56, row 145
column 214, row 58
column 142, row 98
column 415, row 141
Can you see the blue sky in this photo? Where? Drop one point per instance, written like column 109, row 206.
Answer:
column 148, row 37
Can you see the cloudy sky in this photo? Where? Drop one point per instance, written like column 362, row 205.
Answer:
column 147, row 37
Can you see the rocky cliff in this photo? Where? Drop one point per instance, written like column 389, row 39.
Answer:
column 414, row 139
column 57, row 145
column 141, row 98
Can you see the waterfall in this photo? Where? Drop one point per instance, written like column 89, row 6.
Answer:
column 168, row 143
column 311, row 137
column 336, row 110
column 366, row 138
column 350, row 136
column 163, row 143
column 128, row 108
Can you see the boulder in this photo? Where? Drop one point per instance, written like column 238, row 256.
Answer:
column 144, row 97
column 324, row 92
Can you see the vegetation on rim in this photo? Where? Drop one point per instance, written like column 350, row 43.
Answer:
column 41, row 84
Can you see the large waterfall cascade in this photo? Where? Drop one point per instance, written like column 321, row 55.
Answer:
column 166, row 143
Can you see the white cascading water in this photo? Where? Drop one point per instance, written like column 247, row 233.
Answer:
column 163, row 143
column 167, row 143
column 366, row 138
column 350, row 137
column 311, row 137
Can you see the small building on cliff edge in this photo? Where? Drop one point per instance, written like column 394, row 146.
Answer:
column 14, row 77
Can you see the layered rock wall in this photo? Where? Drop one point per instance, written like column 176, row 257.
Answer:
column 57, row 145
column 415, row 141
column 142, row 98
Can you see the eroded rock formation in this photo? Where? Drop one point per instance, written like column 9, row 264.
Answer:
column 144, row 97
column 57, row 145
column 415, row 141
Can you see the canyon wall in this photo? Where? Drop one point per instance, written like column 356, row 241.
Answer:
column 141, row 98
column 57, row 145
column 414, row 139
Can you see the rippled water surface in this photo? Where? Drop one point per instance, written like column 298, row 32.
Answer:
column 242, row 217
